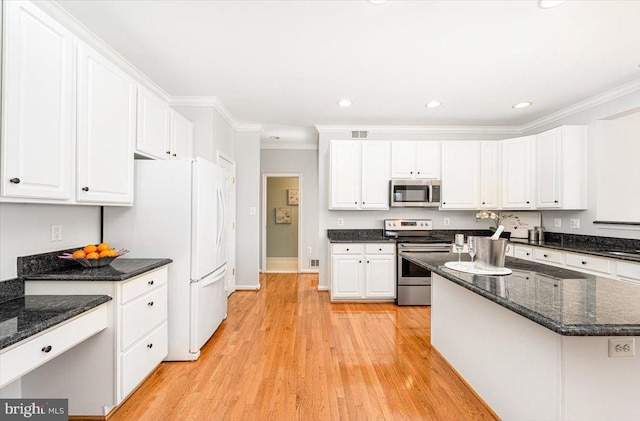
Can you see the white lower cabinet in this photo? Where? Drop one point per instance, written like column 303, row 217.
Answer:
column 98, row 374
column 522, row 252
column 363, row 271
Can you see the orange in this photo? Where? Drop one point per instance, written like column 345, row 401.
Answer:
column 103, row 247
column 112, row 253
column 104, row 253
column 93, row 255
column 90, row 248
column 79, row 254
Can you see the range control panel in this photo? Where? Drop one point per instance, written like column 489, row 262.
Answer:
column 407, row 224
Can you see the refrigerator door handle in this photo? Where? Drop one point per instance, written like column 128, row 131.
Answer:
column 221, row 217
column 214, row 279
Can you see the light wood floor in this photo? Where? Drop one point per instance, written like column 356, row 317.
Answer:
column 286, row 353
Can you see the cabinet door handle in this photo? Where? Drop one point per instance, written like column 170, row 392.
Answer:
column 418, row 172
column 46, row 349
column 527, row 202
column 444, row 203
column 545, row 255
column 379, row 249
column 347, row 249
column 85, row 189
column 359, row 261
column 528, row 254
column 483, row 203
column 168, row 152
column 150, row 282
column 355, row 203
column 150, row 303
column 15, row 180
column 150, row 346
column 174, row 155
column 363, row 203
column 555, row 201
column 583, row 262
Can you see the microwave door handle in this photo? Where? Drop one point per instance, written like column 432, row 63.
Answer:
column 430, row 194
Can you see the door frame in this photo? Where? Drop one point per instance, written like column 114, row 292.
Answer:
column 231, row 271
column 263, row 245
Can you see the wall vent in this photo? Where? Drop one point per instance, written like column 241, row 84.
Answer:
column 315, row 263
column 359, row 134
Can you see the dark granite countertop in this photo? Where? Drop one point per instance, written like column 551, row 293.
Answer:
column 601, row 250
column 26, row 316
column 377, row 235
column 119, row 270
column 566, row 302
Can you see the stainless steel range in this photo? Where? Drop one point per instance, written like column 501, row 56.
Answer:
column 413, row 283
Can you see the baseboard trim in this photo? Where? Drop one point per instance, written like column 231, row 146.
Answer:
column 323, row 288
column 279, row 271
column 247, row 287
column 309, row 271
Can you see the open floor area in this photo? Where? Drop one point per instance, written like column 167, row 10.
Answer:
column 286, row 352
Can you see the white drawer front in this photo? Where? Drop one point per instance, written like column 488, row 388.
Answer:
column 380, row 249
column 347, row 248
column 142, row 315
column 140, row 360
column 23, row 358
column 143, row 284
column 595, row 264
column 551, row 256
column 628, row 271
column 525, row 253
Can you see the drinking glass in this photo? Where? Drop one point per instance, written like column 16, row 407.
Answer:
column 471, row 246
column 459, row 242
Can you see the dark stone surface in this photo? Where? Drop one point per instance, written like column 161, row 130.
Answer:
column 377, row 235
column 26, row 316
column 44, row 262
column 10, row 289
column 566, row 302
column 119, row 270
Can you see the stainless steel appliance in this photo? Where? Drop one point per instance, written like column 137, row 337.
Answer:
column 413, row 283
column 414, row 193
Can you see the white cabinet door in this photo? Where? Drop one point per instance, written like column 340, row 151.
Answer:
column 376, row 169
column 403, row 159
column 489, row 175
column 154, row 125
column 516, row 173
column 428, row 157
column 380, row 276
column 345, row 175
column 37, row 133
column 106, row 130
column 347, row 276
column 181, row 136
column 460, row 169
column 549, row 169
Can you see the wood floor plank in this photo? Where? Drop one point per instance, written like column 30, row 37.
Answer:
column 287, row 353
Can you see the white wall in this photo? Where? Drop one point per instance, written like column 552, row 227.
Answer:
column 25, row 230
column 247, row 156
column 304, row 162
column 374, row 219
column 590, row 118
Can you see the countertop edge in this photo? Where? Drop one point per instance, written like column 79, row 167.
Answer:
column 102, row 278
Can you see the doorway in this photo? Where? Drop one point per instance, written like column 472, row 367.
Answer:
column 281, row 216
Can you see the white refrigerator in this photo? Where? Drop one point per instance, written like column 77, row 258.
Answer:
column 178, row 213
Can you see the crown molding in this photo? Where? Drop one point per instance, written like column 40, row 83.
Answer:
column 420, row 129
column 594, row 101
column 193, row 101
column 249, row 128
column 290, row 145
column 56, row 11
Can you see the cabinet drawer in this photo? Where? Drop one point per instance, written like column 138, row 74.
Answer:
column 525, row 253
column 595, row 264
column 23, row 358
column 380, row 249
column 551, row 256
column 143, row 284
column 140, row 360
column 142, row 315
column 347, row 248
column 628, row 271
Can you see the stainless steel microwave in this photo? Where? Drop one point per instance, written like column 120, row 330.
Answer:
column 415, row 194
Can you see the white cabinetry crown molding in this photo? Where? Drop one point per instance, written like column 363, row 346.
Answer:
column 216, row 103
column 508, row 130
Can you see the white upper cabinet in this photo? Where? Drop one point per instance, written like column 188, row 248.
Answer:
column 460, row 169
column 181, row 136
column 106, row 130
column 359, row 175
column 517, row 164
column 38, row 105
column 490, row 175
column 415, row 160
column 561, row 168
column 154, row 126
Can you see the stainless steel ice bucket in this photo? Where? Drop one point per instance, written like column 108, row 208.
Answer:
column 490, row 253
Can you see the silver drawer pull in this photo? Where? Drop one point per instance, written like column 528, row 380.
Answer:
column 150, row 303
column 46, row 349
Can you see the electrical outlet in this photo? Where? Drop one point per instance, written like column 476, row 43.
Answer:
column 622, row 347
column 56, row 232
column 340, row 221
column 447, row 221
column 557, row 223
column 574, row 223
column 309, row 249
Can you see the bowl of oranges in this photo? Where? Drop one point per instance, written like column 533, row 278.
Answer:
column 94, row 256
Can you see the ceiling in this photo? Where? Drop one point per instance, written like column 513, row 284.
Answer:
column 287, row 63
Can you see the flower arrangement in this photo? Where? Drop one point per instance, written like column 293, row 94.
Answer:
column 497, row 218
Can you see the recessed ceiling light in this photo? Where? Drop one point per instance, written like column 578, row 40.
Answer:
column 344, row 103
column 274, row 137
column 376, row 2
column 522, row 104
column 433, row 104
column 548, row 4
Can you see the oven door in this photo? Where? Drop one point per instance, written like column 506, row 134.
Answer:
column 411, row 274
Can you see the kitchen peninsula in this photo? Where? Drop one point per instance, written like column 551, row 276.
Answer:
column 536, row 345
